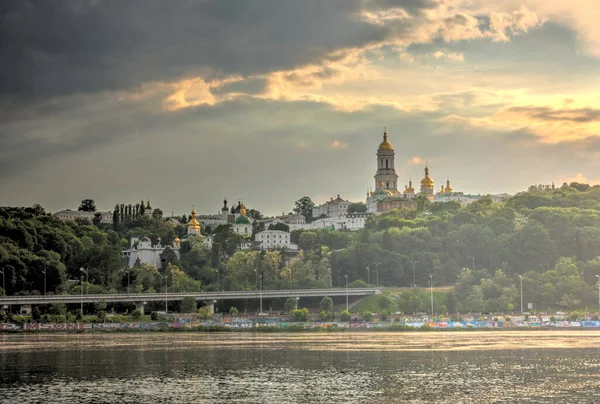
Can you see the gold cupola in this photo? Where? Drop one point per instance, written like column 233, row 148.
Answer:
column 194, row 224
column 410, row 188
column 427, row 181
column 385, row 145
column 448, row 187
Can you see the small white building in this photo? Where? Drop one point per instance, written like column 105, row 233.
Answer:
column 270, row 239
column 69, row 215
column 143, row 252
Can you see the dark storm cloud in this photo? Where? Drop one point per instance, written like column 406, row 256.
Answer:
column 60, row 47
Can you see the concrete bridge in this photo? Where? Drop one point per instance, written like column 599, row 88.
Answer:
column 209, row 298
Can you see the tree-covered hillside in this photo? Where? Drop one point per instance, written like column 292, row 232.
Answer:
column 551, row 237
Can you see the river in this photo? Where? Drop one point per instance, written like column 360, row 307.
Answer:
column 443, row 367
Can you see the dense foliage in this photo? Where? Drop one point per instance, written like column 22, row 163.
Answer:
column 551, row 237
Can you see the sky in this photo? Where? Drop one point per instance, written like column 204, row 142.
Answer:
column 191, row 102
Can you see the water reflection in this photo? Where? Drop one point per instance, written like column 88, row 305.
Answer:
column 358, row 367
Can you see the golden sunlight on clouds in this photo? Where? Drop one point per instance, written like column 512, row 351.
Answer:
column 416, row 160
column 577, row 178
column 338, row 145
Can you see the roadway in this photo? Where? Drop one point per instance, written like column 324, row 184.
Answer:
column 204, row 296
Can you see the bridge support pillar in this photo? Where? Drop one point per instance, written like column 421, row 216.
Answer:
column 211, row 304
column 140, row 306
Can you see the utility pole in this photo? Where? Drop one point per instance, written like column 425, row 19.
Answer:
column 368, row 276
column 86, row 290
column 44, row 271
column 377, row 273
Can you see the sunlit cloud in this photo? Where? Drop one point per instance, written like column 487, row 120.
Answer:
column 337, row 144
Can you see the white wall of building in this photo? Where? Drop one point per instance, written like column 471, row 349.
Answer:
column 269, row 239
column 68, row 215
column 148, row 253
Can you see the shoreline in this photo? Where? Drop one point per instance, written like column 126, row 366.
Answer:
column 107, row 328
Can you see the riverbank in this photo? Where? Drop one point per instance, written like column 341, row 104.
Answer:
column 261, row 325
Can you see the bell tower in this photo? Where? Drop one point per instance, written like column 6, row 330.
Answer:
column 386, row 177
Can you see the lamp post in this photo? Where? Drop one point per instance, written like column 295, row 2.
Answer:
column 368, row 276
column 521, row 278
column 598, row 277
column 473, row 259
column 44, row 272
column 260, row 280
column 256, row 281
column 377, row 276
column 86, row 289
column 414, row 279
column 81, row 287
column 431, row 292
column 290, row 279
column 346, row 292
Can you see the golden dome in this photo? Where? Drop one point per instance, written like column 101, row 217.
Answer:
column 194, row 223
column 410, row 188
column 385, row 145
column 243, row 211
column 448, row 187
column 427, row 181
column 177, row 240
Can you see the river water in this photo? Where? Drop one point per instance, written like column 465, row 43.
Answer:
column 382, row 367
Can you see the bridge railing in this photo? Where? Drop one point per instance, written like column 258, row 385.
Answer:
column 207, row 295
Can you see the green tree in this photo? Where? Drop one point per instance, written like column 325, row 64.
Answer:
column 345, row 316
column 188, row 304
column 87, row 205
column 290, row 305
column 367, row 316
column 299, row 316
column 359, row 207
column 324, row 316
column 304, row 207
column 326, row 304
column 204, row 312
column 136, row 314
column 233, row 311
column 280, row 226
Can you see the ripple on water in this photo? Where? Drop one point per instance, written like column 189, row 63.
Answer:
column 296, row 368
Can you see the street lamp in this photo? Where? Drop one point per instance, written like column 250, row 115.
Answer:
column 368, row 276
column 346, row 292
column 473, row 259
column 256, row 281
column 414, row 279
column 260, row 277
column 598, row 276
column 81, row 287
column 86, row 290
column 521, row 278
column 377, row 274
column 431, row 292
